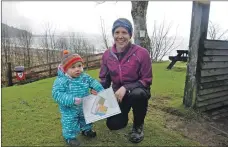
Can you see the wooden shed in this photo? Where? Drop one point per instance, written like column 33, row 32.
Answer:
column 206, row 86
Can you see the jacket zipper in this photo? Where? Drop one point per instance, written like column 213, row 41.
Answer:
column 121, row 80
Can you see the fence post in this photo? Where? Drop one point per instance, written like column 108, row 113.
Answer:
column 87, row 62
column 9, row 74
column 49, row 70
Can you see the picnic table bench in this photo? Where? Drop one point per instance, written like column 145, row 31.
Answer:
column 182, row 55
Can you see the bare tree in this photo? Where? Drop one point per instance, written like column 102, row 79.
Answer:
column 72, row 43
column 40, row 57
column 79, row 44
column 16, row 55
column 5, row 48
column 138, row 13
column 62, row 43
column 48, row 42
column 216, row 33
column 15, row 47
column 88, row 47
column 45, row 44
column 25, row 40
column 161, row 43
column 5, row 44
column 51, row 33
column 76, row 41
column 104, row 34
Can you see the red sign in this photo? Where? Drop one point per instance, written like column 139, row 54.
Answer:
column 20, row 76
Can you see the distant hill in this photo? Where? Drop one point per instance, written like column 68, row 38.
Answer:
column 9, row 31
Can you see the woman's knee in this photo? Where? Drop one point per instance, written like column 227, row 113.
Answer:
column 116, row 123
column 139, row 93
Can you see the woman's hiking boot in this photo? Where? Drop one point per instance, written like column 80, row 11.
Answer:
column 136, row 135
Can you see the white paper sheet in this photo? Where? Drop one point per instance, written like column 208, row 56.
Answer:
column 100, row 106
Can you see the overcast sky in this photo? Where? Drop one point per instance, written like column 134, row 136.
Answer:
column 85, row 16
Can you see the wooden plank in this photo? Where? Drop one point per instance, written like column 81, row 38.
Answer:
column 99, row 54
column 211, row 101
column 199, row 25
column 92, row 61
column 216, row 44
column 223, row 110
column 43, row 65
column 212, row 95
column 214, row 84
column 213, row 78
column 37, row 72
column 212, row 90
column 220, row 115
column 182, row 51
column 220, row 64
column 213, row 72
column 213, row 106
column 215, row 58
column 215, row 52
column 184, row 59
column 93, row 67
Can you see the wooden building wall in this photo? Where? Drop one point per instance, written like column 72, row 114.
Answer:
column 212, row 85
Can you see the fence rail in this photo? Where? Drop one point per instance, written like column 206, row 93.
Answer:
column 46, row 70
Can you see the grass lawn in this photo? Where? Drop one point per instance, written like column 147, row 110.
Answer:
column 31, row 117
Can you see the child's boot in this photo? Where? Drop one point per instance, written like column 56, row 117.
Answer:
column 73, row 142
column 89, row 133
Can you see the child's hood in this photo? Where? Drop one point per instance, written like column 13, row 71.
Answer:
column 60, row 72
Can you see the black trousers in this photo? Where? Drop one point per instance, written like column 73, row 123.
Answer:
column 137, row 99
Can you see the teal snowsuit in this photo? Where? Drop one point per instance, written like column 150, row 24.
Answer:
column 64, row 91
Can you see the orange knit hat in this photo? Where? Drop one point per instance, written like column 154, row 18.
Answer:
column 65, row 52
column 69, row 59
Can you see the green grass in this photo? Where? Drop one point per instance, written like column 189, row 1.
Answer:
column 31, row 117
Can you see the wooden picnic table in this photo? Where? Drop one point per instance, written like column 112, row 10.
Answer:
column 182, row 55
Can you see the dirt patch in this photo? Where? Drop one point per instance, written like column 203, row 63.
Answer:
column 193, row 125
column 202, row 131
column 169, row 110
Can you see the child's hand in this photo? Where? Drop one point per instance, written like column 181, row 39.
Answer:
column 77, row 101
column 93, row 92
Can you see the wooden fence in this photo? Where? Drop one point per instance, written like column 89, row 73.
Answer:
column 46, row 70
column 213, row 76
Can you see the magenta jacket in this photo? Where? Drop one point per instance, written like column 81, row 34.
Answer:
column 133, row 70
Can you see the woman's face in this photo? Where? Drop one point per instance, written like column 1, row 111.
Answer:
column 121, row 37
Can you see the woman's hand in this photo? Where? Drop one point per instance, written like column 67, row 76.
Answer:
column 94, row 92
column 120, row 93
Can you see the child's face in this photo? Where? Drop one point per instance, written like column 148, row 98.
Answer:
column 75, row 70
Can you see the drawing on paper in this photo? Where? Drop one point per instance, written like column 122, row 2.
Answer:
column 99, row 107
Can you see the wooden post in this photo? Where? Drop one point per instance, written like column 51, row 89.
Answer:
column 87, row 62
column 49, row 70
column 199, row 24
column 9, row 75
